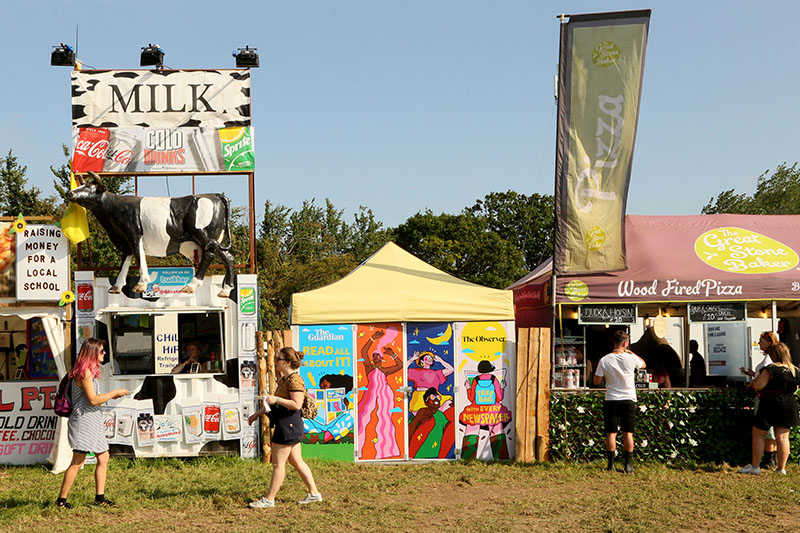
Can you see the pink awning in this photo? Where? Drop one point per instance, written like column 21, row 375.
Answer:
column 698, row 258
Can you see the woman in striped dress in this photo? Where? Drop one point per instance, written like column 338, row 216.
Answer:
column 86, row 428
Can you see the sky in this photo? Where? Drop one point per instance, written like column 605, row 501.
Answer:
column 403, row 106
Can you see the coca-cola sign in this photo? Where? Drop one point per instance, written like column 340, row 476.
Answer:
column 85, row 297
column 90, row 150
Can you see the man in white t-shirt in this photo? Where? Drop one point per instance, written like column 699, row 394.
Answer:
column 619, row 410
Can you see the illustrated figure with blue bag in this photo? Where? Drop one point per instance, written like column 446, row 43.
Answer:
column 486, row 412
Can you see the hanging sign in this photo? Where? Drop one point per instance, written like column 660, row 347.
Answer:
column 42, row 263
column 718, row 312
column 607, row 314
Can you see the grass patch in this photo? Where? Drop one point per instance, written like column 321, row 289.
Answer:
column 212, row 494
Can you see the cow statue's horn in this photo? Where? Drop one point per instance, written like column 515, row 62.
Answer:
column 95, row 177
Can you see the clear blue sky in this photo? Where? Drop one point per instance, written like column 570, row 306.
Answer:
column 407, row 105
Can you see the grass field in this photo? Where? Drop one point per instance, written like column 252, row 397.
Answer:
column 211, row 494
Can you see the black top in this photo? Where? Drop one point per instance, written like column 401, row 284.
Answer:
column 781, row 380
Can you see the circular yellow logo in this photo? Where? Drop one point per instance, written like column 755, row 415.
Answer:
column 744, row 252
column 606, row 53
column 594, row 238
column 576, row 290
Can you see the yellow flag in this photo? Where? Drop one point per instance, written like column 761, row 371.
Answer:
column 74, row 224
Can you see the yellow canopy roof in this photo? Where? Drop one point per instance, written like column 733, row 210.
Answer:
column 395, row 286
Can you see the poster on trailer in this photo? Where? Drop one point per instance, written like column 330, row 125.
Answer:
column 328, row 374
column 429, row 368
column 486, row 397
column 380, row 413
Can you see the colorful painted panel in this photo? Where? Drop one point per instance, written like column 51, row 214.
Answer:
column 431, row 408
column 486, row 373
column 328, row 373
column 380, row 423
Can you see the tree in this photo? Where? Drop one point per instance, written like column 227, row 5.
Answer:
column 462, row 245
column 776, row 194
column 15, row 197
column 522, row 220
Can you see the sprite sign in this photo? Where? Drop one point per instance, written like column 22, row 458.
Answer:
column 247, row 301
column 237, row 148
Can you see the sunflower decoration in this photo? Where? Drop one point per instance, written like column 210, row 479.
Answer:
column 19, row 225
column 67, row 298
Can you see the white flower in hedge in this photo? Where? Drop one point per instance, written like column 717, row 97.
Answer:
column 692, row 409
column 581, row 410
column 670, row 425
column 590, row 443
column 673, row 455
column 693, row 442
column 643, row 443
column 683, row 441
column 562, row 427
column 643, row 408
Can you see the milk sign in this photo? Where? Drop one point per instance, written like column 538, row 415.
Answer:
column 42, row 263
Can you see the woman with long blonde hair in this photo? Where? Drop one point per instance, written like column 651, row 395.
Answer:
column 86, row 425
column 775, row 385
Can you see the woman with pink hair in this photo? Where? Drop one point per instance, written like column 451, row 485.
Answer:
column 86, row 425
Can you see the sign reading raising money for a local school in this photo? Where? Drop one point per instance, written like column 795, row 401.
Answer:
column 42, row 263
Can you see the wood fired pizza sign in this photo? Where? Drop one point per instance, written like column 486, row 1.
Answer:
column 743, row 251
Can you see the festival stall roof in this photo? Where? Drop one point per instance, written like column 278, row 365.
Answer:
column 395, row 286
column 697, row 258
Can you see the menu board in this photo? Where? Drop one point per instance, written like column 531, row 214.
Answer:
column 607, row 314
column 718, row 312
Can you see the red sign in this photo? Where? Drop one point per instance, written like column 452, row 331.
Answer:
column 211, row 419
column 90, row 150
column 85, row 297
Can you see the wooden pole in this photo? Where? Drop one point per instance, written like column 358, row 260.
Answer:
column 263, row 390
column 542, row 448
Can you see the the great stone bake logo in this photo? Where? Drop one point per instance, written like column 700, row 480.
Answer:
column 744, row 252
column 605, row 53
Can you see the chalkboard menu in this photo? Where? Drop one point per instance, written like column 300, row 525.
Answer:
column 607, row 314
column 718, row 312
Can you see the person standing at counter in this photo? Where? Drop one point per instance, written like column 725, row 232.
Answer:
column 766, row 341
column 776, row 385
column 618, row 368
column 86, row 425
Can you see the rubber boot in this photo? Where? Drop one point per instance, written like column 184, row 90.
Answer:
column 629, row 463
column 469, row 447
column 610, row 457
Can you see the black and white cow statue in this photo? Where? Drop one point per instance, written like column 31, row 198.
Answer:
column 160, row 226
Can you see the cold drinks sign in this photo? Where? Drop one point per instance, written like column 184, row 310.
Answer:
column 42, row 263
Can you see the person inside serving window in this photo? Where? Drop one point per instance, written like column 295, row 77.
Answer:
column 192, row 362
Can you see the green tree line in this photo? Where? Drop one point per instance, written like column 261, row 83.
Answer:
column 493, row 242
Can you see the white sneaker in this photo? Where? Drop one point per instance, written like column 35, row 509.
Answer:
column 263, row 503
column 311, row 498
column 781, row 471
column 750, row 469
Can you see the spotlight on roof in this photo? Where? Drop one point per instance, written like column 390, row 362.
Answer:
column 152, row 55
column 246, row 57
column 62, row 56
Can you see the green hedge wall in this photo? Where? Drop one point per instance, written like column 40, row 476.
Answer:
column 673, row 427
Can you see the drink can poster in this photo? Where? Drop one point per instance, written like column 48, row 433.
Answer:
column 125, row 426
column 430, row 357
column 211, row 420
column 380, row 411
column 328, row 374
column 145, row 428
column 193, row 423
column 487, row 393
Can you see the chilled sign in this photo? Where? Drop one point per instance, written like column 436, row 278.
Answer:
column 607, row 314
column 718, row 312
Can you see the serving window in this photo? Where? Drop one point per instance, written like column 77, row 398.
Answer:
column 167, row 342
